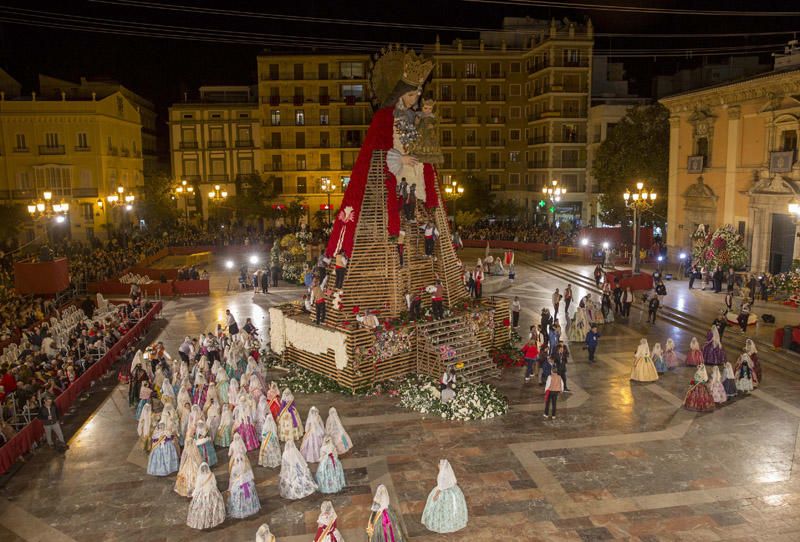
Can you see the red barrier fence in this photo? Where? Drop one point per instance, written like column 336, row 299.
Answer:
column 191, row 287
column 115, row 287
column 21, row 443
column 642, row 281
column 513, row 245
column 41, row 278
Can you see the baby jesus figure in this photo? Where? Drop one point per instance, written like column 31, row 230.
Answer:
column 426, row 148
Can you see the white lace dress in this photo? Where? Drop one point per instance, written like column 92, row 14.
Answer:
column 207, row 509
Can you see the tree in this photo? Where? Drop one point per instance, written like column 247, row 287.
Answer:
column 253, row 196
column 477, row 195
column 12, row 218
column 295, row 211
column 637, row 149
column 158, row 206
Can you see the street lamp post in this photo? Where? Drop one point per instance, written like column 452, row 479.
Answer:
column 640, row 201
column 327, row 186
column 218, row 195
column 117, row 199
column 186, row 190
column 453, row 191
column 45, row 208
column 554, row 193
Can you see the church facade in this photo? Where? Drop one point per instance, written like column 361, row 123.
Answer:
column 733, row 159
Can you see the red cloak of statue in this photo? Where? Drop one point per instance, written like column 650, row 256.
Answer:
column 379, row 137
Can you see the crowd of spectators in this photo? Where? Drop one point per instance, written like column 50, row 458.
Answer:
column 49, row 358
column 565, row 234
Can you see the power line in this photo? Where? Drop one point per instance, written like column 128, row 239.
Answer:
column 636, row 9
column 387, row 24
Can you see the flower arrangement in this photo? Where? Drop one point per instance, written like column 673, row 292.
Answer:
column 724, row 248
column 472, row 401
column 391, row 342
column 292, row 256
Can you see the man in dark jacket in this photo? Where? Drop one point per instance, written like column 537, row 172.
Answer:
column 49, row 415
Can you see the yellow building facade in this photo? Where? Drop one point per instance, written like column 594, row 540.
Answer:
column 733, row 160
column 79, row 150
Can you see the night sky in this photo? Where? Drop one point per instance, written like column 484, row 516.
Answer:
column 161, row 68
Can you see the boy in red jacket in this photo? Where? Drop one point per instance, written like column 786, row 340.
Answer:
column 530, row 352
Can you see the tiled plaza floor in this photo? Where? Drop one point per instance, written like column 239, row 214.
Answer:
column 621, row 461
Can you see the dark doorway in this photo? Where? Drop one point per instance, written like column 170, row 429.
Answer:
column 781, row 247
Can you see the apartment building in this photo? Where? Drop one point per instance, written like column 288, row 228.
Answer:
column 314, row 115
column 215, row 139
column 80, row 150
column 514, row 110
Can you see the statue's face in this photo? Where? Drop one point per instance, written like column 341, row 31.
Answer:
column 410, row 98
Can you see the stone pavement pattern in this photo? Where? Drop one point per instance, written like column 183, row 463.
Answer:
column 621, row 461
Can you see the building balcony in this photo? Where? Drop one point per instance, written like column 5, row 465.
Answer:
column 470, row 75
column 217, row 144
column 244, row 144
column 125, row 153
column 537, row 164
column 84, row 192
column 191, row 178
column 449, row 144
column 495, row 120
column 496, row 143
column 472, row 98
column 21, row 149
column 471, row 120
column 82, row 148
column 496, row 75
column 137, row 154
column 496, row 165
column 187, row 145
column 52, row 149
column 217, row 178
column 113, row 151
column 496, row 98
column 471, row 142
column 559, row 63
column 24, row 194
column 569, row 164
column 272, row 145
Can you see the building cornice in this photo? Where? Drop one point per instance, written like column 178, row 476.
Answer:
column 758, row 87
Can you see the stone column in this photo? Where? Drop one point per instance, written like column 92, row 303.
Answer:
column 796, row 250
column 672, row 191
column 731, row 160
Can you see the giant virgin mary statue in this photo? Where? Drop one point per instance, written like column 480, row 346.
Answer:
column 396, row 80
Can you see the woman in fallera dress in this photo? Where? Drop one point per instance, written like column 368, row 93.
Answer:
column 237, row 448
column 752, row 351
column 670, row 356
column 383, row 524
column 243, row 424
column 694, row 356
column 579, row 326
column 713, row 353
column 264, row 534
column 658, row 359
column 643, row 368
column 296, row 481
column 274, row 399
column 334, row 427
column 729, row 380
column 290, row 425
column 163, row 459
column 207, row 509
column 745, row 375
column 205, row 445
column 330, row 474
column 446, row 509
column 145, row 428
column 187, row 472
column 698, row 397
column 327, row 530
column 144, row 398
column 269, row 455
column 242, row 496
column 716, row 387
column 312, row 440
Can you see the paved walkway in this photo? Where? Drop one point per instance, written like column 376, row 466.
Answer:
column 621, row 461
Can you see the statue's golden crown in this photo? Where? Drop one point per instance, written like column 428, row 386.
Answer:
column 416, row 69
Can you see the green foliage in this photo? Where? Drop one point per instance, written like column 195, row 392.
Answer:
column 477, row 194
column 294, row 212
column 466, row 219
column 636, row 150
column 158, row 207
column 12, row 217
column 253, row 197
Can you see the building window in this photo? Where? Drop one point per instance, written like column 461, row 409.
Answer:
column 244, row 115
column 569, row 133
column 300, row 140
column 515, row 90
column 51, row 139
column 351, row 70
column 516, row 67
column 446, row 69
column 569, row 158
column 322, row 71
column 298, row 72
column 216, row 137
column 56, row 179
column 571, row 108
column 275, row 115
column 21, row 145
column 215, row 115
column 85, row 178
column 87, row 212
column 701, row 149
column 301, row 162
column 244, row 136
column 83, row 140
column 190, row 168
column 277, row 163
column 495, row 70
column 275, row 140
column 299, row 117
column 324, row 140
column 513, row 178
column 24, row 181
column 447, row 138
column 188, row 116
column 571, row 57
column 513, row 156
column 471, row 162
column 324, row 118
column 277, row 184
column 515, row 112
column 514, row 135
column 445, row 93
column 470, row 69
column 325, row 161
column 494, row 137
column 448, row 161
column 301, row 185
column 472, row 93
column 353, row 91
column 494, row 181
column 274, row 72
column 789, row 140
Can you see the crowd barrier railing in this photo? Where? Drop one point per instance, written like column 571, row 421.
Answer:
column 22, row 443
